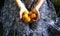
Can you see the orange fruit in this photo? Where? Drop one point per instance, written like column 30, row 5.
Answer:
column 25, row 16
column 28, row 19
column 33, row 15
column 30, row 13
column 26, row 12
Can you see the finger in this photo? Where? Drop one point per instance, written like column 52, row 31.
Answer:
column 38, row 12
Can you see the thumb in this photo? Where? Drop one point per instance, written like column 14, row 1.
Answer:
column 20, row 13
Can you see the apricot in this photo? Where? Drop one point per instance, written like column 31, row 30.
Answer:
column 25, row 16
column 30, row 13
column 26, row 12
column 28, row 19
column 33, row 15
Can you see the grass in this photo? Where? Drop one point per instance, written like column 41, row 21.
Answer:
column 57, row 6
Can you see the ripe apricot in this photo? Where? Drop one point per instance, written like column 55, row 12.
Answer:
column 30, row 13
column 25, row 16
column 33, row 15
column 26, row 12
column 28, row 19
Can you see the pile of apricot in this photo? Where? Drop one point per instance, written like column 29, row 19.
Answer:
column 29, row 16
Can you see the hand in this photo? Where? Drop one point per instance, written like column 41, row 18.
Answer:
column 37, row 6
column 21, row 12
column 37, row 12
